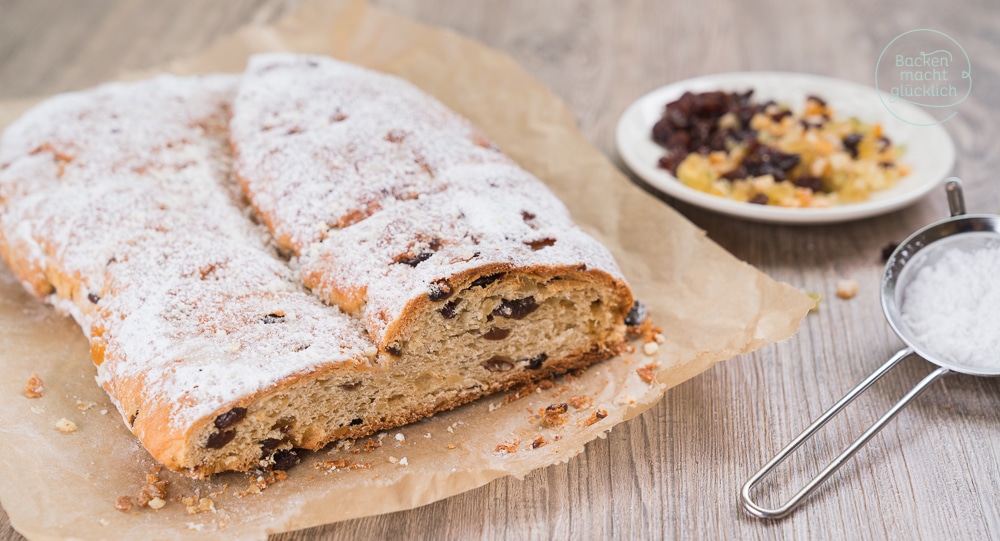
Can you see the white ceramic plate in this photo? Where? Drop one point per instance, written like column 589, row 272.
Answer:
column 929, row 150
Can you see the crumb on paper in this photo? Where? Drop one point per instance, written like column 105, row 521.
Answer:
column 847, row 289
column 450, row 430
column 494, row 406
column 393, row 459
column 596, row 416
column 554, row 414
column 195, row 505
column 817, row 298
column 626, row 400
column 400, row 437
column 508, row 448
column 539, row 442
column 343, row 445
column 450, row 446
column 659, row 338
column 259, row 481
column 427, row 435
column 104, row 522
column 104, row 412
column 404, row 462
column 371, row 445
column 156, row 503
column 546, row 384
column 580, row 402
column 520, row 392
column 153, row 490
column 648, row 372
column 38, row 409
column 650, row 348
column 123, row 504
column 341, row 464
column 196, row 527
column 34, row 387
column 84, row 406
column 65, row 426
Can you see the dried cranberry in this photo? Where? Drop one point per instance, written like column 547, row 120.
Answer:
column 439, row 291
column 637, row 314
column 516, row 309
column 94, row 298
column 813, row 183
column 414, row 260
column 230, row 418
column 496, row 333
column 285, row 459
column 851, row 142
column 220, row 439
column 449, row 312
column 484, row 281
column 759, row 199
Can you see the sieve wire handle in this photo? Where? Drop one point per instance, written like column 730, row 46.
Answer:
column 846, row 455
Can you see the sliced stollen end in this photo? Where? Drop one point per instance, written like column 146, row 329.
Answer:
column 119, row 208
column 415, row 223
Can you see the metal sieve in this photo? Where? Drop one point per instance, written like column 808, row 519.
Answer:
column 960, row 231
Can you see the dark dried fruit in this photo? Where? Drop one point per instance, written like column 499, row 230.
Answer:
column 816, row 99
column 394, row 349
column 764, row 160
column 273, row 318
column 230, row 418
column 270, row 444
column 813, row 183
column 637, row 314
column 496, row 333
column 759, row 199
column 413, row 260
column 285, row 459
column 439, row 291
column 350, row 386
column 220, row 439
column 356, row 422
column 449, row 312
column 527, row 216
column 498, row 364
column 540, row 243
column 888, row 249
column 516, row 309
column 851, row 142
column 94, row 298
column 534, row 363
column 484, row 281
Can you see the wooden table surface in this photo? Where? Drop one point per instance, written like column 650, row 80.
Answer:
column 675, row 471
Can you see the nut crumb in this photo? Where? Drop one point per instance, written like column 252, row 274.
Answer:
column 450, row 446
column 650, row 348
column 539, row 442
column 648, row 372
column 404, row 462
column 195, row 505
column 847, row 289
column 508, row 448
column 554, row 414
column 123, row 504
column 65, row 426
column 157, row 503
column 596, row 416
column 35, row 387
column 84, row 406
column 580, row 402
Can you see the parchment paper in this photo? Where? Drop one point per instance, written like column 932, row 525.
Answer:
column 711, row 307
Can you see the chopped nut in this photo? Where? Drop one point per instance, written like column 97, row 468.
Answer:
column 157, row 503
column 596, row 416
column 650, row 348
column 35, row 387
column 123, row 504
column 554, row 414
column 648, row 372
column 539, row 442
column 508, row 448
column 847, row 289
column 579, row 402
column 84, row 406
column 65, row 426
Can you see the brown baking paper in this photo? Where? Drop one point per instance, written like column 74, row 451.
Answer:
column 711, row 307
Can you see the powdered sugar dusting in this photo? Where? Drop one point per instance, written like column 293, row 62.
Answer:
column 122, row 198
column 381, row 189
